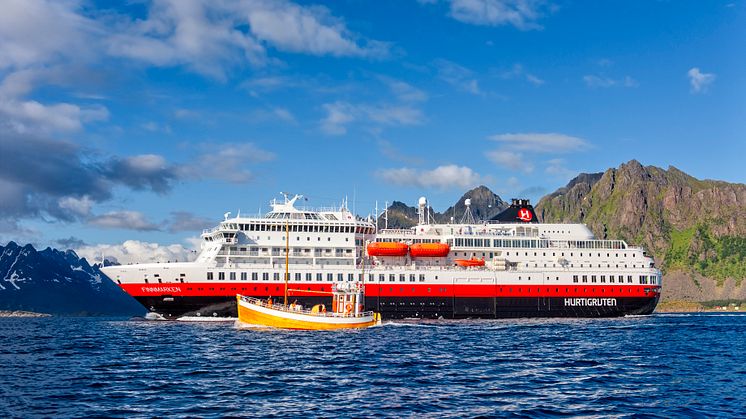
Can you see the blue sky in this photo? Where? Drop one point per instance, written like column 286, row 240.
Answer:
column 145, row 121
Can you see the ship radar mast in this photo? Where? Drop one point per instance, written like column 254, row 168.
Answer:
column 422, row 210
column 468, row 217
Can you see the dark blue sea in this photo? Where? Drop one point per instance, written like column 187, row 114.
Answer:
column 666, row 365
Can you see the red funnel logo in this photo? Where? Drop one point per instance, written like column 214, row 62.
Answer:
column 525, row 215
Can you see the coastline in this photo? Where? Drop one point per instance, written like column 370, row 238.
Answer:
column 680, row 306
column 21, row 313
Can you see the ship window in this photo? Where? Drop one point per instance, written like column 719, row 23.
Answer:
column 233, row 276
column 381, row 277
column 411, row 277
column 209, row 276
column 276, row 276
column 254, row 276
column 402, row 277
column 340, row 277
column 392, row 278
column 221, row 276
column 265, row 276
column 330, row 277
column 422, row 277
column 350, row 277
column 319, row 276
column 593, row 278
column 603, row 279
column 629, row 279
column 297, row 276
column 611, row 278
column 574, row 278
column 585, row 278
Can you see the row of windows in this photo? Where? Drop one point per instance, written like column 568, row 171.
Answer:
column 532, row 243
column 298, row 276
column 307, row 228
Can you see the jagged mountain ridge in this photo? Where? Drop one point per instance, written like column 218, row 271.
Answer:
column 695, row 229
column 58, row 282
column 485, row 204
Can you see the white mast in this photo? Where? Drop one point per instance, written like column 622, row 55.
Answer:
column 422, row 210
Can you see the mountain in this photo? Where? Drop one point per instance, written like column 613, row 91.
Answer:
column 485, row 204
column 695, row 229
column 58, row 282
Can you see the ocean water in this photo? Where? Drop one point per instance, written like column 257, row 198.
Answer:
column 665, row 365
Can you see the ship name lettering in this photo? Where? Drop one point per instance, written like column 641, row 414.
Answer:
column 590, row 302
column 161, row 289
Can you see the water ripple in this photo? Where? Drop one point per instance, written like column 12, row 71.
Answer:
column 657, row 366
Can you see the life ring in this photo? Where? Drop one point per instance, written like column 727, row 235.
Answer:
column 349, row 308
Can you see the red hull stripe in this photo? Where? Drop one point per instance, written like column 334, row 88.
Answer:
column 403, row 289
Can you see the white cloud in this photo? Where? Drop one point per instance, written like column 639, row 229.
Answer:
column 126, row 220
column 32, row 116
column 541, row 142
column 510, row 159
column 405, row 92
column 595, row 81
column 458, row 76
column 699, row 81
column 556, row 168
column 78, row 206
column 442, row 177
column 226, row 161
column 340, row 114
column 134, row 251
column 312, row 30
column 39, row 32
column 521, row 14
column 210, row 37
column 518, row 72
column 534, row 80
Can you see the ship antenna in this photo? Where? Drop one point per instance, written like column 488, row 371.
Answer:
column 386, row 215
column 287, row 258
column 377, row 215
column 468, row 217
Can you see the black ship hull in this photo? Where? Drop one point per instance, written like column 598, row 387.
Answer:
column 428, row 307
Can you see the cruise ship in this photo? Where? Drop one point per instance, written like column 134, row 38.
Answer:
column 508, row 266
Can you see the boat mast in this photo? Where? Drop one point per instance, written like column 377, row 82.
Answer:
column 287, row 257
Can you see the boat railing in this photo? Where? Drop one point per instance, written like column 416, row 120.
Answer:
column 289, row 308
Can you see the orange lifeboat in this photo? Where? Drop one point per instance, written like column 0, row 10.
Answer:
column 469, row 262
column 387, row 249
column 432, row 250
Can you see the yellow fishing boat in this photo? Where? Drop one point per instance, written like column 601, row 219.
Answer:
column 348, row 305
column 346, row 312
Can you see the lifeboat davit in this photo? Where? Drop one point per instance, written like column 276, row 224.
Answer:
column 432, row 250
column 387, row 249
column 469, row 262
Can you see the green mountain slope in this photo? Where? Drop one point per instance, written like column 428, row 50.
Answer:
column 691, row 226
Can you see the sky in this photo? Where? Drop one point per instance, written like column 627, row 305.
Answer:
column 127, row 127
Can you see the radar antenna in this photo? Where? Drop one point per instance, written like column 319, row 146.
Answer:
column 468, row 217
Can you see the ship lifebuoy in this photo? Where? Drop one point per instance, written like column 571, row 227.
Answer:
column 349, row 308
